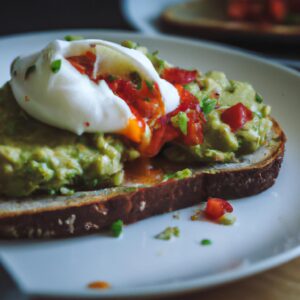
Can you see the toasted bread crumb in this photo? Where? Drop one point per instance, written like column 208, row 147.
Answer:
column 70, row 222
column 142, row 205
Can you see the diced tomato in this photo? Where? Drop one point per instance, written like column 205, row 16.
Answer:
column 216, row 208
column 180, row 76
column 236, row 116
column 144, row 100
column 187, row 99
column 160, row 135
column 194, row 129
column 83, row 63
column 190, row 105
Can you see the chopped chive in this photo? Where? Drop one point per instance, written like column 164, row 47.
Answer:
column 111, row 78
column 258, row 98
column 168, row 233
column 258, row 113
column 176, row 231
column 56, row 65
column 149, row 85
column 206, row 242
column 117, row 228
column 207, row 104
column 70, row 38
column 155, row 53
column 185, row 173
column 136, row 79
column 181, row 121
column 129, row 44
column 29, row 70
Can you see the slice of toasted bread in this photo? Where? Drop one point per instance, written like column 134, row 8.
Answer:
column 87, row 212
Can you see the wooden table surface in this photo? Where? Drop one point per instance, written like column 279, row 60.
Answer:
column 281, row 283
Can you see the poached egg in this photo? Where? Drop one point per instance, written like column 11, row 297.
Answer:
column 66, row 99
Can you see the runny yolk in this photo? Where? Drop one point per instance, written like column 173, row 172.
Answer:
column 134, row 130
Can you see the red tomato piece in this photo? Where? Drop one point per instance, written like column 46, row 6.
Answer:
column 236, row 116
column 180, row 76
column 161, row 135
column 83, row 63
column 217, row 207
column 194, row 129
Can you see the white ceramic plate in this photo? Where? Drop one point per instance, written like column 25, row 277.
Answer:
column 266, row 233
column 143, row 15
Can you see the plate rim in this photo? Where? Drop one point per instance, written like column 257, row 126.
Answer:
column 140, row 26
column 189, row 285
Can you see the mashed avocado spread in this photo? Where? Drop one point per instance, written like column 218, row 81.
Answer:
column 221, row 144
column 35, row 157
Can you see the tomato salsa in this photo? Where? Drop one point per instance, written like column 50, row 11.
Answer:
column 185, row 124
column 144, row 99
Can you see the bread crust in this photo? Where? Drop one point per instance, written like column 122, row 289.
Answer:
column 143, row 202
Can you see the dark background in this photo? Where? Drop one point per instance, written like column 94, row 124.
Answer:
column 18, row 16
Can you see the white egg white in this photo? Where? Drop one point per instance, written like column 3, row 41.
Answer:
column 68, row 99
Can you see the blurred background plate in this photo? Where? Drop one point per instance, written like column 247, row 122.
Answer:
column 207, row 19
column 266, row 233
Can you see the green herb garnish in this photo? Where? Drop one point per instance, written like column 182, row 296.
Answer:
column 207, row 104
column 129, row 44
column 181, row 121
column 136, row 79
column 185, row 173
column 55, row 65
column 117, row 228
column 147, row 99
column 111, row 78
column 259, row 98
column 66, row 191
column 29, row 70
column 71, row 38
column 168, row 233
column 206, row 242
column 258, row 114
column 149, row 85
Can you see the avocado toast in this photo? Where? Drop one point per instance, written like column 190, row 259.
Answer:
column 220, row 141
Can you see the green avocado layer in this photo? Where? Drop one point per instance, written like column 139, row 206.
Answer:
column 220, row 143
column 35, row 157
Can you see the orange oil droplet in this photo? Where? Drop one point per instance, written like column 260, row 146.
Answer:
column 99, row 285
